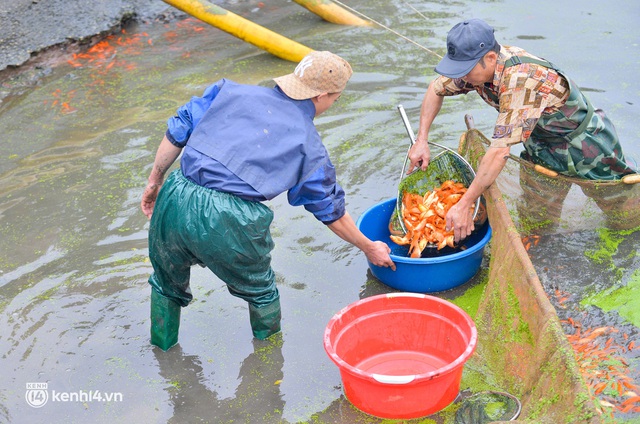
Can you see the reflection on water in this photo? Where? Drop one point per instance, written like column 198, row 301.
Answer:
column 73, row 250
column 544, row 204
column 257, row 397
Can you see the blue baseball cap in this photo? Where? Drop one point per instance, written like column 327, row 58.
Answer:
column 467, row 43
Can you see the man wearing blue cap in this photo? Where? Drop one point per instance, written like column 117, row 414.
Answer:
column 537, row 105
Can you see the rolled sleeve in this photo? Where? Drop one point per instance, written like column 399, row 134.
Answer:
column 443, row 86
column 180, row 126
column 320, row 194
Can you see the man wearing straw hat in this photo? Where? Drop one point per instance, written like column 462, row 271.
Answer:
column 242, row 145
column 537, row 105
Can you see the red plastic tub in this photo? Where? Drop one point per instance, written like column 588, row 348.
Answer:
column 400, row 355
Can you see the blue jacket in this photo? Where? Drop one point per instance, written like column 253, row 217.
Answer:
column 256, row 142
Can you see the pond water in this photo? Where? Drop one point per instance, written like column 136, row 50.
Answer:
column 78, row 146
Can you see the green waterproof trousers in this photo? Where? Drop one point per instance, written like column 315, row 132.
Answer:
column 192, row 225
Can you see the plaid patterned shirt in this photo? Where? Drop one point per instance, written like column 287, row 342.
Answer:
column 520, row 94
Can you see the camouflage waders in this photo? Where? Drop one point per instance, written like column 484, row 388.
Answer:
column 576, row 141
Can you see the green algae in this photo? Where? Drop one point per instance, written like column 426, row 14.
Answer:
column 521, row 333
column 444, row 167
column 608, row 245
column 516, row 334
column 266, row 350
column 529, row 224
column 477, row 375
column 621, row 299
column 469, row 301
column 538, row 408
column 581, row 414
column 487, row 407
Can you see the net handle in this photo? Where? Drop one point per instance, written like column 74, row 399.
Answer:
column 412, row 140
column 468, row 120
column 627, row 179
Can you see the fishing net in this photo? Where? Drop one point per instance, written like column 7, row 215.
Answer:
column 514, row 306
column 487, row 407
column 447, row 165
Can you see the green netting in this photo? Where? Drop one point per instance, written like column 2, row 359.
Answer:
column 447, row 165
column 521, row 342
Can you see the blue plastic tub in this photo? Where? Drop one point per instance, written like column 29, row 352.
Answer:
column 445, row 270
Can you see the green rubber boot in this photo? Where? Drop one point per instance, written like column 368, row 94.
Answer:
column 165, row 321
column 265, row 320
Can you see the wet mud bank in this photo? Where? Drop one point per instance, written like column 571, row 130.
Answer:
column 36, row 35
column 30, row 27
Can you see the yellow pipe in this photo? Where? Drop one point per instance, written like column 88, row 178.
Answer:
column 244, row 29
column 333, row 13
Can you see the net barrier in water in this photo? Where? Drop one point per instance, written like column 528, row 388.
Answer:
column 520, row 336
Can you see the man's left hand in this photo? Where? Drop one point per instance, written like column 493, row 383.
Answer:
column 149, row 197
column 460, row 219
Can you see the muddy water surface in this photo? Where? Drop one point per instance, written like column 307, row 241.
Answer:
column 78, row 146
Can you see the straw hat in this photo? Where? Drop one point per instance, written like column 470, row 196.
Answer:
column 317, row 73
